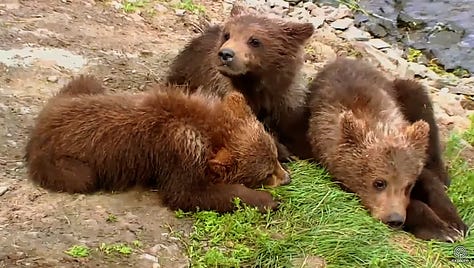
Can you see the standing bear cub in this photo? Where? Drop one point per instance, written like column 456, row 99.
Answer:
column 200, row 152
column 382, row 148
column 260, row 57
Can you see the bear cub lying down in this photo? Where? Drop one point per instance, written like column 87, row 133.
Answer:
column 380, row 147
column 200, row 152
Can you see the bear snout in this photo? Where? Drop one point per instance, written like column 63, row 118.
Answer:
column 394, row 220
column 226, row 55
column 286, row 179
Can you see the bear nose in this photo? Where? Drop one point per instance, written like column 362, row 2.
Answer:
column 226, row 55
column 395, row 220
column 287, row 179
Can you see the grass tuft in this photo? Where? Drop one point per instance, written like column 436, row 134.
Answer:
column 189, row 5
column 78, row 251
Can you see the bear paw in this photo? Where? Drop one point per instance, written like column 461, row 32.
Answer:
column 263, row 201
column 443, row 233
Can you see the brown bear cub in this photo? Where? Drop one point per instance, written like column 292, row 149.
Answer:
column 200, row 152
column 431, row 213
column 372, row 146
column 261, row 57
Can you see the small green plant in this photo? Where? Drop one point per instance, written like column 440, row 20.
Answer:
column 78, row 251
column 413, row 55
column 118, row 248
column 111, row 218
column 137, row 244
column 189, row 5
column 461, row 72
column 132, row 6
column 435, row 67
column 469, row 134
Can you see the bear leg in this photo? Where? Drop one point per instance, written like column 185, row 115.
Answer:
column 425, row 224
column 69, row 175
column 431, row 191
column 219, row 197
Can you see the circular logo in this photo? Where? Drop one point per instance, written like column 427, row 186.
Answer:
column 460, row 252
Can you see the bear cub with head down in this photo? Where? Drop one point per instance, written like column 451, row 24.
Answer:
column 378, row 146
column 200, row 152
column 260, row 57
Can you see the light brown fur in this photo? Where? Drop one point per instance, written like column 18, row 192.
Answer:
column 359, row 134
column 200, row 152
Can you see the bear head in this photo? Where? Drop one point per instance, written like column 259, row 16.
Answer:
column 381, row 165
column 260, row 46
column 249, row 156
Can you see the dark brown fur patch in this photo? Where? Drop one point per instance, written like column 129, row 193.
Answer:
column 200, row 152
column 266, row 71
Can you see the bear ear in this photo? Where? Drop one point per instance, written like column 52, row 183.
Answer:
column 298, row 31
column 236, row 103
column 418, row 135
column 353, row 130
column 221, row 162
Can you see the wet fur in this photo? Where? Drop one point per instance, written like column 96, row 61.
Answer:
column 200, row 152
column 273, row 85
column 430, row 212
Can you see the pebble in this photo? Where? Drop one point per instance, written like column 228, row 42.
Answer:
column 160, row 8
column 342, row 24
column 278, row 3
column 180, row 12
column 116, row 5
column 338, row 13
column 53, row 79
column 12, row 143
column 3, row 190
column 355, row 34
column 149, row 257
column 317, row 22
column 378, row 43
column 309, row 6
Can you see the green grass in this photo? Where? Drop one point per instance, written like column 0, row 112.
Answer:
column 189, row 5
column 319, row 219
column 78, row 251
column 117, row 248
column 132, row 6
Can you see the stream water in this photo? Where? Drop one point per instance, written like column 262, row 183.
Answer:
column 452, row 49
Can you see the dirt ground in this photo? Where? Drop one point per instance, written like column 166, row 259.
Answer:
column 127, row 51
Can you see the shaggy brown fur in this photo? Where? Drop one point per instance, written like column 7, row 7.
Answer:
column 200, row 152
column 261, row 57
column 367, row 130
column 359, row 134
column 431, row 214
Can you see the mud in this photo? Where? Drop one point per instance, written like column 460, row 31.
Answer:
column 42, row 45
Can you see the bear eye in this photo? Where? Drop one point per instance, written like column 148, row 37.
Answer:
column 254, row 42
column 380, row 184
column 226, row 36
